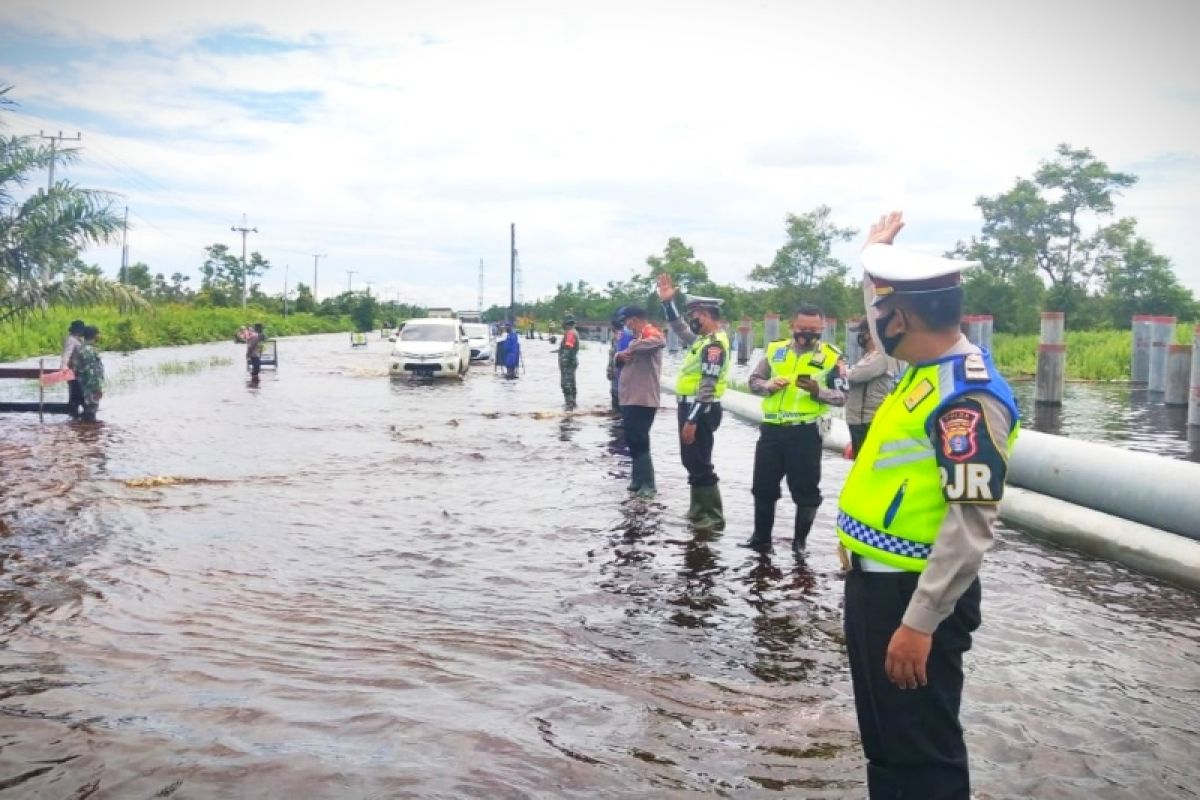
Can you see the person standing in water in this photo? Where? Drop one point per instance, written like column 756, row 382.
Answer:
column 69, row 361
column 91, row 373
column 640, row 393
column 698, row 390
column 512, row 351
column 916, row 516
column 568, row 361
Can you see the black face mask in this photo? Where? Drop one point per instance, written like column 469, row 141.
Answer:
column 805, row 338
column 694, row 325
column 890, row 343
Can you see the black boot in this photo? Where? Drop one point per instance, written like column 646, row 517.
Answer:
column 805, row 515
column 764, row 523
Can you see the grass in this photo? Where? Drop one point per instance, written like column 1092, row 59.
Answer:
column 162, row 326
column 1091, row 355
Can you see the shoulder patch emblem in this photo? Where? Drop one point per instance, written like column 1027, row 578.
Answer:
column 975, row 369
column 919, row 393
column 960, row 427
column 714, row 353
column 780, row 355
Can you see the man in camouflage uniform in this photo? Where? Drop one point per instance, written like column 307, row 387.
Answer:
column 90, row 374
column 568, row 360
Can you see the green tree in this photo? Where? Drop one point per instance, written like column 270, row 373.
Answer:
column 806, row 259
column 42, row 234
column 222, row 277
column 1137, row 280
column 1039, row 225
column 688, row 273
column 304, row 299
column 138, row 276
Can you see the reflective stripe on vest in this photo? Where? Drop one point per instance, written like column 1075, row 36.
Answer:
column 892, row 506
column 691, row 373
column 792, row 405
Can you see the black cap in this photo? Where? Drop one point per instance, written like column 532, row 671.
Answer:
column 76, row 326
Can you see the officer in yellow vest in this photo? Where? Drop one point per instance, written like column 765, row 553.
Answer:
column 915, row 518
column 698, row 389
column 800, row 379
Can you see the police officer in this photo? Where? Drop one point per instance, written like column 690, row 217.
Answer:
column 698, row 389
column 916, row 516
column 800, row 379
column 568, row 360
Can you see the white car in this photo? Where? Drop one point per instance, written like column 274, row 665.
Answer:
column 480, row 336
column 435, row 347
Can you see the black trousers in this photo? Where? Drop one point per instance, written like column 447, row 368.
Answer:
column 697, row 456
column 255, row 365
column 858, row 435
column 793, row 451
column 912, row 738
column 638, row 420
column 75, row 397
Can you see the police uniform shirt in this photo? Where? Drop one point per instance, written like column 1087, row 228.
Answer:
column 833, row 393
column 970, row 439
column 712, row 360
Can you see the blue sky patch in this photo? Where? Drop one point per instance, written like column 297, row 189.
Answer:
column 248, row 42
column 287, row 106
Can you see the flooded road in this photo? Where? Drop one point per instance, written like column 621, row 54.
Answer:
column 336, row 586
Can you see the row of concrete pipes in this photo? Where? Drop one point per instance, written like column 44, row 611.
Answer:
column 1163, row 367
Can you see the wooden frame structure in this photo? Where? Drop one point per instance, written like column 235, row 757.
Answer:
column 41, row 407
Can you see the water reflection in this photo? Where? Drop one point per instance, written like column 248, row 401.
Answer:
column 1113, row 414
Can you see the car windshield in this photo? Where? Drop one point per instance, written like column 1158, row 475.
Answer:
column 427, row 333
column 476, row 331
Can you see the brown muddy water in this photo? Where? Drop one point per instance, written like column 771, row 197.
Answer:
column 331, row 585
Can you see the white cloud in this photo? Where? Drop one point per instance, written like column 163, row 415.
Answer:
column 600, row 129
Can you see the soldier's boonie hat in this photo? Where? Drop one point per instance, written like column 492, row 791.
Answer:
column 893, row 270
column 697, row 303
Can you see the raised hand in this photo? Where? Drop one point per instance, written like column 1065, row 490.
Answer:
column 665, row 290
column 884, row 231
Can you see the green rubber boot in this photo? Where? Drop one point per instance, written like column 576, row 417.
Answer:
column 707, row 511
column 635, row 474
column 647, row 489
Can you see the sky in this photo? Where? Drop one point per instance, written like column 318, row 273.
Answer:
column 401, row 140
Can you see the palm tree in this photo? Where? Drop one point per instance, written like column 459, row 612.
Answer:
column 44, row 232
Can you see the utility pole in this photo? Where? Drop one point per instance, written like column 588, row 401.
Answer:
column 512, row 272
column 125, row 248
column 286, row 268
column 479, row 307
column 54, row 140
column 315, row 257
column 243, row 230
column 350, row 273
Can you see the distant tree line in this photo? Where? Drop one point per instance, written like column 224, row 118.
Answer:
column 1052, row 242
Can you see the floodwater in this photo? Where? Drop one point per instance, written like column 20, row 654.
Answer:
column 1115, row 414
column 332, row 585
